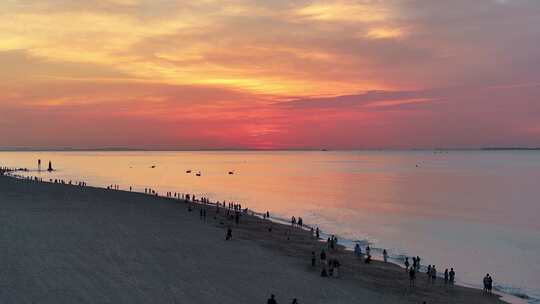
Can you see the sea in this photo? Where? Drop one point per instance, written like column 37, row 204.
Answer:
column 475, row 210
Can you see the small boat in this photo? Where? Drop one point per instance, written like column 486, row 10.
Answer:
column 153, row 166
column 198, row 174
column 188, row 171
column 231, row 172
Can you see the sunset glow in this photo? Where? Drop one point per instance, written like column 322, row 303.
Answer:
column 269, row 74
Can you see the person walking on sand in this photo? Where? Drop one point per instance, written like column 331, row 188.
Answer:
column 323, row 257
column 229, row 234
column 294, row 301
column 412, row 276
column 368, row 251
column 385, row 255
column 368, row 259
column 317, row 233
column 358, row 250
column 446, row 276
column 313, row 259
column 417, row 263
column 272, row 300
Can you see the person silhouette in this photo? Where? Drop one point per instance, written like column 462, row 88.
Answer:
column 451, row 276
column 272, row 300
column 323, row 257
column 488, row 284
column 407, row 264
column 229, row 234
column 412, row 276
column 357, row 250
column 368, row 259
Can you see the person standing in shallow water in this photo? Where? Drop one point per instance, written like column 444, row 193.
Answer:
column 451, row 276
column 385, row 255
column 433, row 274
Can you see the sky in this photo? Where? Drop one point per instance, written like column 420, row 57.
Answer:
column 259, row 74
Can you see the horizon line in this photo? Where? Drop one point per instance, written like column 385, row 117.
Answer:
column 126, row 149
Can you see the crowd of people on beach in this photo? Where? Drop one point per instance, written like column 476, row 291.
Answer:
column 9, row 170
column 297, row 223
column 328, row 266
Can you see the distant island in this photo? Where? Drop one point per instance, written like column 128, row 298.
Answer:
column 508, row 148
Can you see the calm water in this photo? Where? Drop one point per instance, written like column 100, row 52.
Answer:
column 476, row 211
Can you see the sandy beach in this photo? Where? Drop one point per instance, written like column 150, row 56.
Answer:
column 71, row 244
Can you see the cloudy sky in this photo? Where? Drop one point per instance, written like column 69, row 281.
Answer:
column 259, row 74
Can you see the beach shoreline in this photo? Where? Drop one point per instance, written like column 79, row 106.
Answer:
column 376, row 283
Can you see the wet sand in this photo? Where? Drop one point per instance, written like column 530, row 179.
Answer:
column 70, row 244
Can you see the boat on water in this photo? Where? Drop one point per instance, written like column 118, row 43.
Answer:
column 188, row 171
column 198, row 174
column 231, row 172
